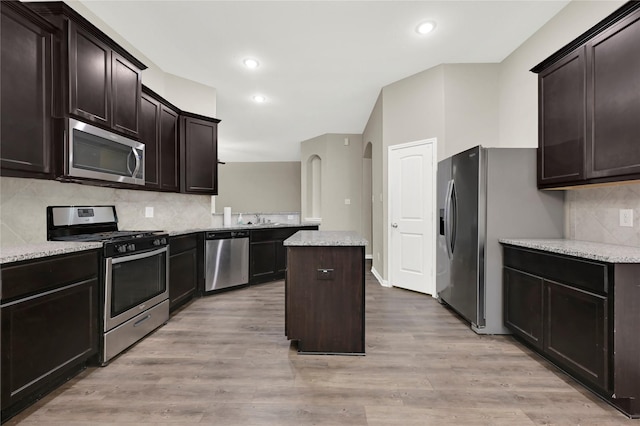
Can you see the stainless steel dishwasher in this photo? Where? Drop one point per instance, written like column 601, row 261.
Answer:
column 226, row 260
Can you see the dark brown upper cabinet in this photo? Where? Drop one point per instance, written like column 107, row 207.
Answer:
column 199, row 154
column 562, row 118
column 589, row 105
column 614, row 104
column 159, row 132
column 96, row 79
column 26, row 76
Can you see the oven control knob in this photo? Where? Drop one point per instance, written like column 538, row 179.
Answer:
column 156, row 242
column 121, row 249
column 163, row 241
column 131, row 247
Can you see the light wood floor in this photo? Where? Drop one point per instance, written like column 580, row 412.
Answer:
column 224, row 360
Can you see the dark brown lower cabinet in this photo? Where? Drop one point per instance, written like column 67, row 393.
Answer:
column 184, row 268
column 268, row 256
column 523, row 305
column 324, row 299
column 49, row 325
column 263, row 261
column 582, row 315
column 575, row 331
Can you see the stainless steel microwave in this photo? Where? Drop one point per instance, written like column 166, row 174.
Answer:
column 96, row 153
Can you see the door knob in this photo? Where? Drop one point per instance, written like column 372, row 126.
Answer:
column 394, row 225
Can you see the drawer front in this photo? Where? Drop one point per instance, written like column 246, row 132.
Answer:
column 279, row 234
column 127, row 334
column 183, row 243
column 585, row 274
column 49, row 273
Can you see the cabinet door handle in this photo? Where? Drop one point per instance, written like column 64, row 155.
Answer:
column 394, row 225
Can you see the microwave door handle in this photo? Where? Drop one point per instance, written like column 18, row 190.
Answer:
column 128, row 158
column 137, row 157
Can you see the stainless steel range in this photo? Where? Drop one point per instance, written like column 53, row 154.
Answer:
column 135, row 290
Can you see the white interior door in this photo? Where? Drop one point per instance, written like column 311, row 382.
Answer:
column 412, row 226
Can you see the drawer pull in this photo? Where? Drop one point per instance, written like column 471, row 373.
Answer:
column 141, row 320
column 324, row 274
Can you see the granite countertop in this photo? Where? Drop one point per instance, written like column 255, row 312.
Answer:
column 585, row 249
column 51, row 248
column 244, row 227
column 35, row 251
column 325, row 238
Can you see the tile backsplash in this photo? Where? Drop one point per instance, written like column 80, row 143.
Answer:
column 23, row 205
column 593, row 214
column 292, row 218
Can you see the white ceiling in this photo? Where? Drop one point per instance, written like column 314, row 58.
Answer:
column 323, row 63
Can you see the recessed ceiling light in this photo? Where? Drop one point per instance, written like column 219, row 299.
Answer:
column 259, row 99
column 251, row 63
column 425, row 27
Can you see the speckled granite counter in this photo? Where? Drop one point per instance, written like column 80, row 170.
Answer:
column 35, row 251
column 325, row 238
column 240, row 228
column 51, row 248
column 585, row 249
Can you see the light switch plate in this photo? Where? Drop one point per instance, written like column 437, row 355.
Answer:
column 626, row 217
column 148, row 212
column 347, row 201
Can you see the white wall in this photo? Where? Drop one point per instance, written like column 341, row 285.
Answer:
column 464, row 105
column 183, row 93
column 518, row 91
column 266, row 187
column 470, row 107
column 455, row 103
column 373, row 134
column 341, row 180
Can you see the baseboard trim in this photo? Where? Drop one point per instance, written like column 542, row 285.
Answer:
column 383, row 282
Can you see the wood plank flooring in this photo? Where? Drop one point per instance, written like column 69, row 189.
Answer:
column 224, row 360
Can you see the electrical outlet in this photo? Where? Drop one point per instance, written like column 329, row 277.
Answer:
column 347, row 201
column 626, row 217
column 148, row 212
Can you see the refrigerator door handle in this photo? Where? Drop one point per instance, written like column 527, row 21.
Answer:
column 454, row 217
column 447, row 218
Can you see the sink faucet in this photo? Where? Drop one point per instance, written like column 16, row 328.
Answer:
column 258, row 218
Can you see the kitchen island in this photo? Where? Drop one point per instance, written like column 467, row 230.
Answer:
column 324, row 292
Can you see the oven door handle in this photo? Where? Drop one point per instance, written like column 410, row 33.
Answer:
column 139, row 256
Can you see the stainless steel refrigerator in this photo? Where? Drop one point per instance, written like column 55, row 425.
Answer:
column 485, row 194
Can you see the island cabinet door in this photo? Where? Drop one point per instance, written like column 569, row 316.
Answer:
column 325, row 293
column 576, row 332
